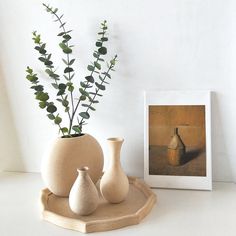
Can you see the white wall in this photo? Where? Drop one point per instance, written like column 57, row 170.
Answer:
column 185, row 44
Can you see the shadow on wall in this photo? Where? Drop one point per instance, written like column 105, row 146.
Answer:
column 10, row 155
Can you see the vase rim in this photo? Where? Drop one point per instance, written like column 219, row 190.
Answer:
column 115, row 139
column 75, row 137
column 83, row 169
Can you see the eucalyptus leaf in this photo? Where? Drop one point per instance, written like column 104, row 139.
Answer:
column 42, row 96
column 67, row 50
column 42, row 105
column 83, row 92
column 61, row 92
column 51, row 116
column 100, row 86
column 84, row 85
column 64, row 130
column 96, row 55
column 51, row 108
column 68, row 70
column 89, row 78
column 67, row 37
column 65, row 103
column 76, row 128
column 103, row 39
column 82, row 98
column 89, row 106
column 48, row 63
column 90, row 68
column 38, row 88
column 71, row 62
column 84, row 115
column 60, row 34
column 62, row 86
column 42, row 59
column 96, row 94
column 32, row 78
column 57, row 120
column 55, row 85
column 97, row 65
column 65, row 61
column 107, row 75
column 102, row 50
column 98, row 44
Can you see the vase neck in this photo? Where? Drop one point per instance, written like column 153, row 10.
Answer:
column 82, row 172
column 176, row 131
column 115, row 148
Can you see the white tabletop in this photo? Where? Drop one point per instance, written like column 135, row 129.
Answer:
column 177, row 212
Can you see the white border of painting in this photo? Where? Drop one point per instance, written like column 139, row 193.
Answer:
column 179, row 98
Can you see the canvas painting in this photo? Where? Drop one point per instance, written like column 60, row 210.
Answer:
column 177, row 140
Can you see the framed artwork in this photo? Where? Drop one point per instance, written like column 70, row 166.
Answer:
column 177, row 143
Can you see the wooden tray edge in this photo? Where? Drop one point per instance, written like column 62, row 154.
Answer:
column 101, row 225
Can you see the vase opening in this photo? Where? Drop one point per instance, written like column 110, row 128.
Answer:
column 83, row 169
column 115, row 139
column 72, row 136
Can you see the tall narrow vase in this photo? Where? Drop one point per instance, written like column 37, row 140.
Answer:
column 114, row 184
column 83, row 197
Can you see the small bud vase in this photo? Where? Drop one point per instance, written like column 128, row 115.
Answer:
column 83, row 197
column 114, row 185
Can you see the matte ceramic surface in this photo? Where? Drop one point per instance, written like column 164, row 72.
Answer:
column 59, row 168
column 83, row 197
column 114, row 184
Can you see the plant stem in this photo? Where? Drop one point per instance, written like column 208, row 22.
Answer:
column 62, row 97
column 68, row 61
column 77, row 105
column 97, row 90
column 61, row 130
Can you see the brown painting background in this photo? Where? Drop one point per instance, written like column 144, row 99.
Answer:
column 190, row 121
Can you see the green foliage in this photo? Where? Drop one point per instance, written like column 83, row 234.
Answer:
column 88, row 90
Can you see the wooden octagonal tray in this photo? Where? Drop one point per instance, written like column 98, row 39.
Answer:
column 137, row 205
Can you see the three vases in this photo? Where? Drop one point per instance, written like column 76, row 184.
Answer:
column 59, row 171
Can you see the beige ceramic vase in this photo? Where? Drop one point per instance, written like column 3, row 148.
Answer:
column 114, row 185
column 83, row 197
column 59, row 167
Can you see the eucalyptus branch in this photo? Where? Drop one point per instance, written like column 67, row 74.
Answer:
column 67, row 50
column 100, row 86
column 43, row 98
column 85, row 94
column 45, row 58
column 92, row 68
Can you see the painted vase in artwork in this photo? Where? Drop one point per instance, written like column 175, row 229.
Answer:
column 114, row 185
column 176, row 150
column 83, row 197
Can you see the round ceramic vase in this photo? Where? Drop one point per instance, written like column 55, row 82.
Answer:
column 114, row 185
column 83, row 197
column 59, row 167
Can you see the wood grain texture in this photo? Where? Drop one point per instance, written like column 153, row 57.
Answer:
column 137, row 205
